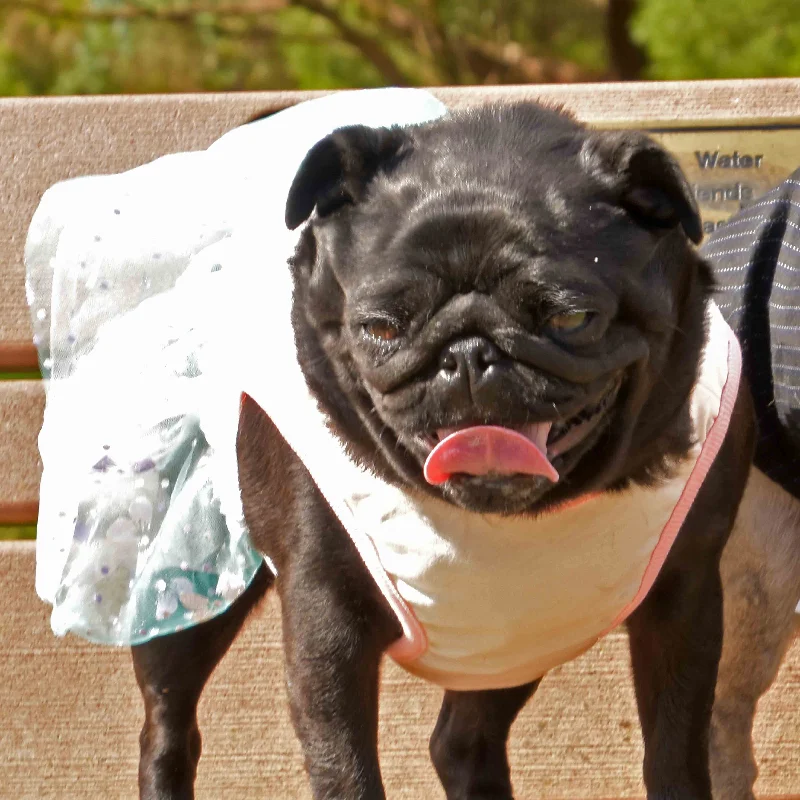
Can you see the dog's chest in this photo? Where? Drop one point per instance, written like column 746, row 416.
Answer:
column 485, row 601
column 503, row 600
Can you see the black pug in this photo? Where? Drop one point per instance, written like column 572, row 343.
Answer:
column 506, row 272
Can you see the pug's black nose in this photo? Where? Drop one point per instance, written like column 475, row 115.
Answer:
column 468, row 360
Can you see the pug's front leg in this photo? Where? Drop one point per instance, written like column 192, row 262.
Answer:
column 676, row 642
column 469, row 744
column 336, row 629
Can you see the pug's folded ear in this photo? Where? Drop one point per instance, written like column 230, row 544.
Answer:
column 646, row 180
column 337, row 170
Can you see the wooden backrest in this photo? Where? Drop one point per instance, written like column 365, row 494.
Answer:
column 71, row 709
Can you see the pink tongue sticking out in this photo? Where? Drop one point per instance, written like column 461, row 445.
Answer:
column 486, row 449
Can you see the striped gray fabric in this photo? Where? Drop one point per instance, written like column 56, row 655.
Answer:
column 755, row 259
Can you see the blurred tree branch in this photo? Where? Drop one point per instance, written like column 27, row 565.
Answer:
column 405, row 42
column 94, row 46
column 524, row 68
column 427, row 31
column 370, row 46
column 628, row 59
column 216, row 19
column 438, row 55
column 128, row 12
column 461, row 54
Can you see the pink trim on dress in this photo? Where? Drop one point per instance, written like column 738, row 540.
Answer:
column 708, row 453
column 414, row 641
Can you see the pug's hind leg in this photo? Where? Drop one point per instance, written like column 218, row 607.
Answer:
column 171, row 672
column 468, row 745
column 761, row 586
column 745, row 674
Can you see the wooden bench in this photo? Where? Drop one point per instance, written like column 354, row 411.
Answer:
column 71, row 710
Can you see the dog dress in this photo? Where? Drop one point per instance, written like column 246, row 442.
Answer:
column 130, row 279
column 159, row 297
column 487, row 601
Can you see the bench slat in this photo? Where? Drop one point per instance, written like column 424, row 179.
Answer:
column 75, row 714
column 21, row 409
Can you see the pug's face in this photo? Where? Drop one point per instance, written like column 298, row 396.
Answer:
column 500, row 307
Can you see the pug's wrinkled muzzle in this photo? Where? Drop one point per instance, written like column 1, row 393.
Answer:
column 475, row 312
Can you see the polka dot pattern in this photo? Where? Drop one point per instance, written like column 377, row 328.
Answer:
column 133, row 280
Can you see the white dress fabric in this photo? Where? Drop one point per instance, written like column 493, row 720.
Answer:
column 149, row 292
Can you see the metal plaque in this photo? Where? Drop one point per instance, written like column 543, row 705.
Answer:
column 729, row 167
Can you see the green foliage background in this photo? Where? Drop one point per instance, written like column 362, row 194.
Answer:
column 694, row 39
column 110, row 46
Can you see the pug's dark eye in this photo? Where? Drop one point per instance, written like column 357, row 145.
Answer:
column 569, row 321
column 381, row 330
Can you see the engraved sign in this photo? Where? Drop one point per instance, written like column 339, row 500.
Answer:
column 730, row 167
